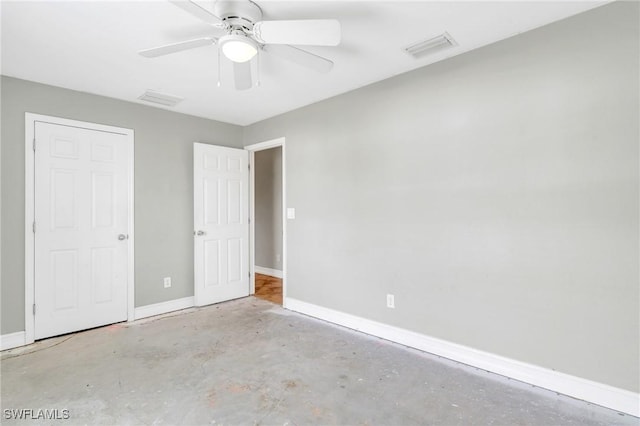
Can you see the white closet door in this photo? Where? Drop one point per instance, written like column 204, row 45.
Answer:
column 81, row 236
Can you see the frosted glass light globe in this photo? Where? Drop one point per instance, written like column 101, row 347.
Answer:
column 238, row 48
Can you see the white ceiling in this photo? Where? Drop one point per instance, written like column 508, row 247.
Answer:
column 92, row 47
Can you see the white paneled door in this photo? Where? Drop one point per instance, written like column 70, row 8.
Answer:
column 81, row 228
column 221, row 214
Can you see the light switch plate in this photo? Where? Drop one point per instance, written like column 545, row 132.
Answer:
column 291, row 213
column 391, row 302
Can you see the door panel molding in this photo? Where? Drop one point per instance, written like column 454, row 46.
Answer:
column 68, row 150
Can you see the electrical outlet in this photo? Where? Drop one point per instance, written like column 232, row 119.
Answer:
column 167, row 282
column 391, row 303
column 278, row 258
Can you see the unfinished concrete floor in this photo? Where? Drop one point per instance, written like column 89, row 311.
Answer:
column 251, row 362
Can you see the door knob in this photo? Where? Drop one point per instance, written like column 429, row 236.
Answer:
column 122, row 237
column 201, row 233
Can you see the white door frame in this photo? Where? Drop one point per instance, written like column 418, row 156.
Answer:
column 274, row 143
column 29, row 192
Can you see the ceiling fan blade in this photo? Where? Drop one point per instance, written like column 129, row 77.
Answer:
column 177, row 47
column 300, row 57
column 242, row 75
column 197, row 11
column 316, row 32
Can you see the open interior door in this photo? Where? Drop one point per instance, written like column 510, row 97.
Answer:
column 221, row 228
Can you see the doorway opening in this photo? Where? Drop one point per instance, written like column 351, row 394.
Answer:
column 268, row 225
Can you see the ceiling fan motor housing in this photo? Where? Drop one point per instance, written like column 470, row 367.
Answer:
column 239, row 14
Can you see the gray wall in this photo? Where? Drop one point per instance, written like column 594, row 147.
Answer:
column 1, row 127
column 268, row 208
column 495, row 194
column 163, row 186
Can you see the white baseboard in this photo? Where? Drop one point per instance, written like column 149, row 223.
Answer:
column 12, row 340
column 267, row 271
column 163, row 307
column 587, row 390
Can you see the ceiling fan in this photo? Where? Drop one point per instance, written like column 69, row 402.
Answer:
column 240, row 32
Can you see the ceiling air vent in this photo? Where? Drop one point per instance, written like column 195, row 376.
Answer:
column 427, row 47
column 160, row 98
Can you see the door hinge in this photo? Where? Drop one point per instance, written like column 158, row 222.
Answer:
column 34, row 309
column 33, row 226
column 249, row 221
column 34, row 144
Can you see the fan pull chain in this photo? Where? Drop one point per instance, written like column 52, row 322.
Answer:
column 258, row 68
column 218, row 66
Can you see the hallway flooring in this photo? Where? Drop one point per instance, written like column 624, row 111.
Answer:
column 269, row 288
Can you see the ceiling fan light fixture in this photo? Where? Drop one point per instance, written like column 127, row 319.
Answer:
column 238, row 48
